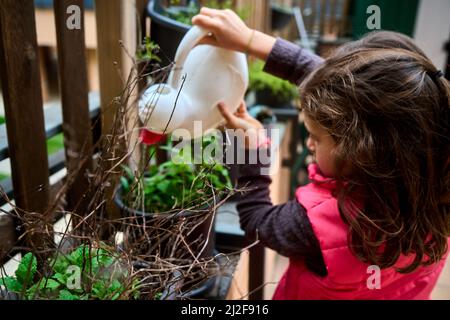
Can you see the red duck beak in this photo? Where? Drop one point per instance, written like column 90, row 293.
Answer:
column 150, row 138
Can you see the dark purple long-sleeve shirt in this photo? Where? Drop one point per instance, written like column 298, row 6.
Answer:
column 284, row 228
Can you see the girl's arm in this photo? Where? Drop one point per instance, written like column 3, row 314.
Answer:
column 283, row 58
column 291, row 62
column 284, row 228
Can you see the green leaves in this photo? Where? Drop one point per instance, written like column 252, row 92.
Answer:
column 49, row 284
column 103, row 290
column 163, row 186
column 260, row 80
column 148, row 51
column 178, row 184
column 185, row 14
column 125, row 184
column 61, row 278
column 95, row 270
column 11, row 284
column 27, row 269
column 67, row 295
column 175, row 185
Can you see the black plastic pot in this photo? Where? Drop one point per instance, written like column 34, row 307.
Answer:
column 175, row 291
column 6, row 295
column 198, row 291
column 166, row 32
column 263, row 114
column 196, row 236
column 267, row 98
column 281, row 17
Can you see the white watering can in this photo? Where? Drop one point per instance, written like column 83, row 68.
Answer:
column 203, row 76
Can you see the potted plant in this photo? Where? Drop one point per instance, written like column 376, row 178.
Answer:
column 172, row 203
column 86, row 273
column 147, row 55
column 169, row 23
column 169, row 214
column 270, row 90
column 170, row 195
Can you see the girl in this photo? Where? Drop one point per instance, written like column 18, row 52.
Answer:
column 378, row 116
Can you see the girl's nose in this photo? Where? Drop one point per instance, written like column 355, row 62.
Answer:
column 310, row 145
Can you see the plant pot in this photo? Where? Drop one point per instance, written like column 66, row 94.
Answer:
column 263, row 114
column 166, row 32
column 281, row 17
column 6, row 295
column 176, row 291
column 195, row 232
column 267, row 98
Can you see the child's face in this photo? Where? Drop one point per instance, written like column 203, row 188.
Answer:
column 321, row 145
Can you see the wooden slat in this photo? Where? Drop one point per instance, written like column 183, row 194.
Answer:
column 110, row 53
column 142, row 32
column 260, row 14
column 116, row 21
column 109, row 61
column 344, row 23
column 19, row 70
column 75, row 106
column 129, row 35
column 7, row 235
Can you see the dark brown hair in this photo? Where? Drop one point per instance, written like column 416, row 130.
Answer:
column 384, row 104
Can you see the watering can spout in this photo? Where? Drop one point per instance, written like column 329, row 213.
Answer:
column 150, row 138
column 203, row 75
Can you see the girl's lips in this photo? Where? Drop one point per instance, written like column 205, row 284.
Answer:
column 150, row 138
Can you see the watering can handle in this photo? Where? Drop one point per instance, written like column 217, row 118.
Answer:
column 190, row 40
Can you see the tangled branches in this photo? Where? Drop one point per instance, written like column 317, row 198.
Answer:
column 109, row 249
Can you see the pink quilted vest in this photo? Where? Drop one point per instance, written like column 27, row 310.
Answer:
column 347, row 276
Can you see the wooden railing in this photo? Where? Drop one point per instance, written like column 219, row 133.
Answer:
column 27, row 124
column 26, row 127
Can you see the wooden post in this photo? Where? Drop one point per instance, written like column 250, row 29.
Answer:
column 260, row 14
column 116, row 22
column 129, row 36
column 75, row 104
column 7, row 235
column 20, row 78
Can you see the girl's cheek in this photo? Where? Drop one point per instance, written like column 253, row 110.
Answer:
column 325, row 162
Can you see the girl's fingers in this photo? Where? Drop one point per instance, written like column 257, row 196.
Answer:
column 229, row 117
column 209, row 40
column 210, row 12
column 242, row 108
column 206, row 22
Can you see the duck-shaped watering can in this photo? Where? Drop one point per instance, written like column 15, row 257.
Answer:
column 202, row 77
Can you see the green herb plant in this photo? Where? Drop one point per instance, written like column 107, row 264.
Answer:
column 148, row 51
column 176, row 184
column 100, row 277
column 185, row 14
column 260, row 81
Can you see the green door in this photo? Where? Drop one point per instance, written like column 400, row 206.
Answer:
column 396, row 15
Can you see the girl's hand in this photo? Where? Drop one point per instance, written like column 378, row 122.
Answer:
column 228, row 31
column 242, row 120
